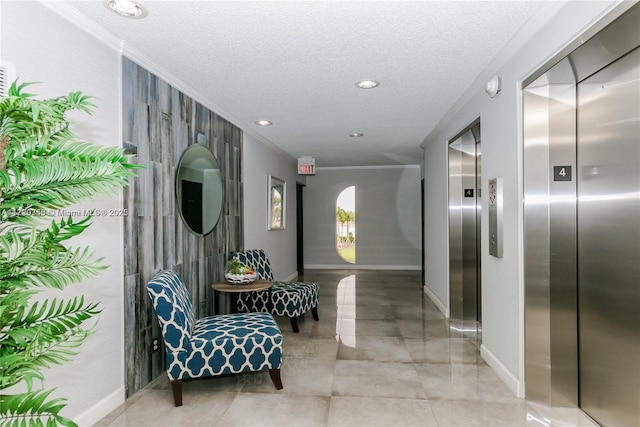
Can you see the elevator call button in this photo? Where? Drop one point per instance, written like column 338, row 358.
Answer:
column 562, row 173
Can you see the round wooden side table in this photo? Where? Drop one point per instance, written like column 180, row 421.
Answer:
column 225, row 289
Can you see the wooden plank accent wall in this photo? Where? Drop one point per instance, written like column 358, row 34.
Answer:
column 159, row 122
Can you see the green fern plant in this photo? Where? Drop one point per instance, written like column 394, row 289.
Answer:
column 44, row 168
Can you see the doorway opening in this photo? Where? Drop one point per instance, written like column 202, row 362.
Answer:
column 299, row 230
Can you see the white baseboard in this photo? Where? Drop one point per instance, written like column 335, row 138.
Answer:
column 101, row 409
column 441, row 306
column 504, row 374
column 292, row 277
column 360, row 267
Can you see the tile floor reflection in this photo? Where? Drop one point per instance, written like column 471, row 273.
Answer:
column 381, row 355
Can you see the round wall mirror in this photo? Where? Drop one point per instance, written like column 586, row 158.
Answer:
column 199, row 189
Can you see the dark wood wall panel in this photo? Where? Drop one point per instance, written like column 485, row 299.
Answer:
column 159, row 122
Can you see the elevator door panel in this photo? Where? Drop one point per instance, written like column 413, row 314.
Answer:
column 608, row 163
column 478, row 292
column 469, row 233
column 464, row 223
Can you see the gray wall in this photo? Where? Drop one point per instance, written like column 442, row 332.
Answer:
column 159, row 122
column 387, row 217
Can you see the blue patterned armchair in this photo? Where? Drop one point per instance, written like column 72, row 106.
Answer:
column 291, row 299
column 214, row 345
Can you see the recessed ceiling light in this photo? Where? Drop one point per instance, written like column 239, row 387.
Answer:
column 356, row 135
column 367, row 84
column 264, row 122
column 126, row 8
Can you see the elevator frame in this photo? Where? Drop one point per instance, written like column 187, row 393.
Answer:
column 550, row 283
column 465, row 254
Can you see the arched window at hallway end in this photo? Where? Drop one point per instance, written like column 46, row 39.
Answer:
column 346, row 224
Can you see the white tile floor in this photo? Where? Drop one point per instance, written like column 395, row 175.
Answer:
column 381, row 355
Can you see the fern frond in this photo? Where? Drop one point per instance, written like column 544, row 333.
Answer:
column 66, row 229
column 57, row 182
column 15, row 90
column 18, row 102
column 14, row 240
column 63, row 269
column 11, row 233
column 34, row 409
column 25, row 362
column 36, row 257
column 45, row 334
column 10, row 305
column 52, row 317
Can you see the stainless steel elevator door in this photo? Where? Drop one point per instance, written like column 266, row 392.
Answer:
column 469, row 231
column 608, row 163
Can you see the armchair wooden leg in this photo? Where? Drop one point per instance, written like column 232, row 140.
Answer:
column 176, row 386
column 294, row 324
column 314, row 313
column 275, row 377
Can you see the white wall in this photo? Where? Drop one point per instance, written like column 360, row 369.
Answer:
column 259, row 161
column 387, row 217
column 501, row 133
column 45, row 48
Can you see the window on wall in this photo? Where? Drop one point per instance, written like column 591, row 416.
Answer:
column 346, row 224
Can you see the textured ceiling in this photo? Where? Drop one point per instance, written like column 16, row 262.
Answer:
column 296, row 63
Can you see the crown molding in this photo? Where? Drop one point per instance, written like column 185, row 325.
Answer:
column 73, row 15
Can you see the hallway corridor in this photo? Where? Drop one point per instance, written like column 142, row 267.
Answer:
column 381, row 355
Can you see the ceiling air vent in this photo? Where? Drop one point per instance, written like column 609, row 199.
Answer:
column 7, row 76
